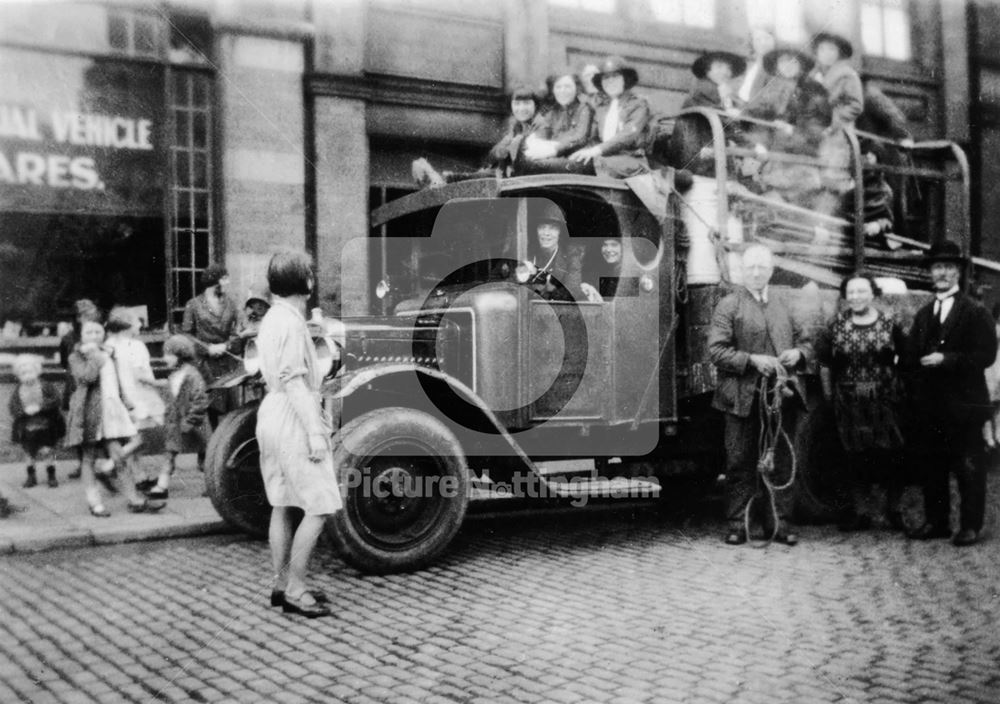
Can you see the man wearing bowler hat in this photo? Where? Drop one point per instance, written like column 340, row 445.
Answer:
column 951, row 343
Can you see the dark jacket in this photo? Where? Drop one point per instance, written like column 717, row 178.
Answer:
column 187, row 426
column 83, row 421
column 740, row 327
column 633, row 126
column 206, row 328
column 569, row 126
column 505, row 152
column 847, row 98
column 882, row 116
column 955, row 392
column 48, row 414
column 704, row 94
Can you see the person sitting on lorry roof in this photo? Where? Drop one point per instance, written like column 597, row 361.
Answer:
column 565, row 128
column 620, row 129
column 524, row 120
column 553, row 267
column 713, row 88
column 842, row 82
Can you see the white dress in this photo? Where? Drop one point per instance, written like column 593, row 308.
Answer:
column 135, row 374
column 286, row 352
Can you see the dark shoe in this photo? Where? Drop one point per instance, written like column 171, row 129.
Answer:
column 786, row 538
column 855, row 523
column 278, row 597
column 964, row 537
column 99, row 511
column 106, row 480
column 290, row 605
column 158, row 494
column 146, row 506
column 736, row 537
column 145, row 484
column 9, row 509
column 895, row 520
column 32, row 480
column 53, row 482
column 75, row 474
column 928, row 532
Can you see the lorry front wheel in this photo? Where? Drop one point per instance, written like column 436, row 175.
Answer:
column 405, row 486
column 232, row 473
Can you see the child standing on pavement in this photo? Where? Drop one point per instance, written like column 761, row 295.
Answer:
column 37, row 424
column 98, row 417
column 187, row 426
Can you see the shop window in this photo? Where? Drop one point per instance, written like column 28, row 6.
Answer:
column 885, row 29
column 135, row 33
column 587, row 5
column 693, row 13
column 786, row 17
column 191, row 225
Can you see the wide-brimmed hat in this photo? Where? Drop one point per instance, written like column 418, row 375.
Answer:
column 701, row 65
column 843, row 43
column 945, row 251
column 616, row 64
column 770, row 60
column 547, row 211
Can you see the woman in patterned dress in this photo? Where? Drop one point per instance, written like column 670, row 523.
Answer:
column 294, row 438
column 860, row 353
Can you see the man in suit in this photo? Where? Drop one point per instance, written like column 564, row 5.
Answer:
column 753, row 337
column 950, row 345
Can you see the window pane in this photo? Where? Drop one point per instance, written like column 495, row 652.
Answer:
column 200, row 170
column 199, row 91
column 184, row 287
column 117, row 32
column 200, row 129
column 182, row 174
column 871, row 30
column 789, row 24
column 699, row 13
column 145, row 37
column 897, row 35
column 182, row 119
column 201, row 240
column 182, row 95
column 184, row 250
column 668, row 11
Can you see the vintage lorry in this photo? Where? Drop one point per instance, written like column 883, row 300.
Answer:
column 472, row 378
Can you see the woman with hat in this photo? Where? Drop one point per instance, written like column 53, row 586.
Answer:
column 552, row 260
column 620, row 128
column 714, row 71
column 841, row 81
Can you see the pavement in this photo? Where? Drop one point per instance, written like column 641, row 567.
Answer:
column 60, row 517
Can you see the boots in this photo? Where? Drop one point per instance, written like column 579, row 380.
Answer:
column 32, row 480
column 51, row 472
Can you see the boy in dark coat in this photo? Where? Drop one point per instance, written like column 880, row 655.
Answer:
column 37, row 424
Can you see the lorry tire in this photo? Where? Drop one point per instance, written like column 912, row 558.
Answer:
column 405, row 486
column 232, row 473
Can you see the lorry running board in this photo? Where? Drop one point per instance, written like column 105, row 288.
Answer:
column 601, row 488
column 566, row 468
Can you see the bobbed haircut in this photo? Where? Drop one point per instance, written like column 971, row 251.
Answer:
column 119, row 319
column 212, row 275
column 867, row 276
column 289, row 274
column 180, row 346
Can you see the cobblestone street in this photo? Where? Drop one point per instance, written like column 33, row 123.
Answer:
column 580, row 606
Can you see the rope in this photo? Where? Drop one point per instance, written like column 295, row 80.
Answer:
column 771, row 432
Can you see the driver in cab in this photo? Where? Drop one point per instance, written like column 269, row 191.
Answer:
column 553, row 268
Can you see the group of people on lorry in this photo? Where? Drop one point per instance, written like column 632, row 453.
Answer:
column 781, row 98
